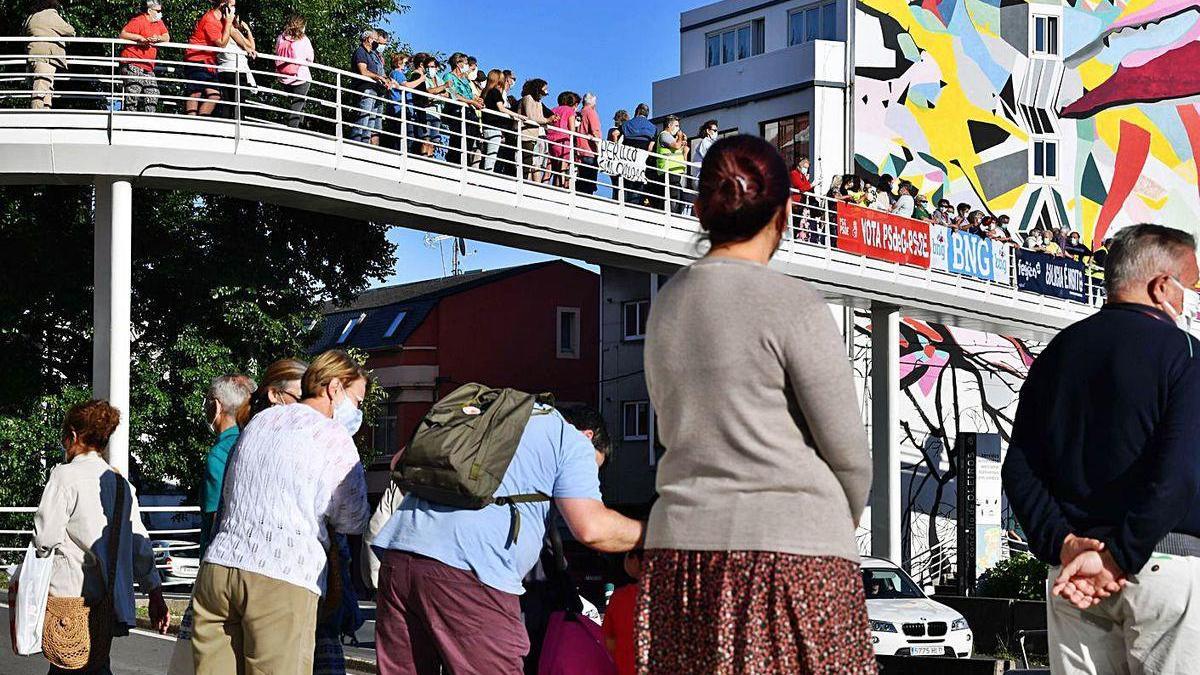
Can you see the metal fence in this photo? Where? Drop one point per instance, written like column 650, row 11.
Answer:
column 407, row 123
column 15, row 540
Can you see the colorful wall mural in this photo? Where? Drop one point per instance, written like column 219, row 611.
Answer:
column 953, row 95
column 953, row 381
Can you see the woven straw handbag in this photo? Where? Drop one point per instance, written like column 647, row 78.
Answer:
column 78, row 635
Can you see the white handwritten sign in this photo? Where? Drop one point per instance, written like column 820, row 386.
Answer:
column 623, row 160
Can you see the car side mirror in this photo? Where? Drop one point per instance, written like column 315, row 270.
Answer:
column 928, row 590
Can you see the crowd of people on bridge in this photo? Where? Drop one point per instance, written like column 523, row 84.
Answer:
column 817, row 219
column 456, row 111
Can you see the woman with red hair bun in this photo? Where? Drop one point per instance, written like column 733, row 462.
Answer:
column 751, row 564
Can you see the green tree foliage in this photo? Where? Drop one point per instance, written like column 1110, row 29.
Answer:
column 220, row 286
column 333, row 25
column 1020, row 577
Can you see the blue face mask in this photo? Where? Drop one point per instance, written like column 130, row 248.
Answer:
column 347, row 414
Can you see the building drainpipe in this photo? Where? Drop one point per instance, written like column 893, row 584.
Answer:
column 851, row 11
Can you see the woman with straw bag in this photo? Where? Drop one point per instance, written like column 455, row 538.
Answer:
column 88, row 520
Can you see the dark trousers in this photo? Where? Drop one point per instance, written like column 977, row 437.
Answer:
column 586, row 175
column 295, row 101
column 431, row 616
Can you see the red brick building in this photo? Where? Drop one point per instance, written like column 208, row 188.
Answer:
column 533, row 327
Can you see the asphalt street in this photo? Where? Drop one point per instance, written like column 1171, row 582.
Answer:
column 143, row 653
column 139, row 654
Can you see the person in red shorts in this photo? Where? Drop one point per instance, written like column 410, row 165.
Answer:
column 618, row 617
column 137, row 60
column 214, row 29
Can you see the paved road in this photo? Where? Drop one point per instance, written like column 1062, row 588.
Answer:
column 142, row 653
column 138, row 654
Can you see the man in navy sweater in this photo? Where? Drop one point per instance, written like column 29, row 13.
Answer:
column 1103, row 470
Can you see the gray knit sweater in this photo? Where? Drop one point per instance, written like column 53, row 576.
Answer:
column 766, row 449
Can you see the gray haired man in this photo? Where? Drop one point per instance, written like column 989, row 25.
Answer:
column 1103, row 473
column 226, row 396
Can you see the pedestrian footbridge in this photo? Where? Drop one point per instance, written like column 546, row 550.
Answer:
column 97, row 134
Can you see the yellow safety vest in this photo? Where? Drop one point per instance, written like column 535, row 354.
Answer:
column 675, row 160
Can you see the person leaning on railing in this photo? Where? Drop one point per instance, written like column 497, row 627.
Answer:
column 367, row 61
column 233, row 65
column 214, row 29
column 50, row 56
column 137, row 60
column 293, row 44
column 533, row 128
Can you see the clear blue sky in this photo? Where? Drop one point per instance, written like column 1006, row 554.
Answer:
column 613, row 49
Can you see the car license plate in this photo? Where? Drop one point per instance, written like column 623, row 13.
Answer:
column 928, row 651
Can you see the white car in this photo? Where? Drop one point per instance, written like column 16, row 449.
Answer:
column 176, row 560
column 906, row 623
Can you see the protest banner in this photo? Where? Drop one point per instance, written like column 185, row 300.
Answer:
column 882, row 235
column 625, row 161
column 1047, row 275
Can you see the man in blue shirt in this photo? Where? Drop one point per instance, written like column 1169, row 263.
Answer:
column 367, row 61
column 226, row 396
column 641, row 133
column 450, row 580
column 1103, row 470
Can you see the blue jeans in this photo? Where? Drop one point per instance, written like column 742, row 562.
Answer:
column 370, row 117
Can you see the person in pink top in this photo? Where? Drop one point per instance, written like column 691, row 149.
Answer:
column 587, row 145
column 558, row 136
column 296, row 78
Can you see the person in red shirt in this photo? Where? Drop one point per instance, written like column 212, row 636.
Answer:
column 137, row 60
column 800, row 180
column 619, row 618
column 214, row 29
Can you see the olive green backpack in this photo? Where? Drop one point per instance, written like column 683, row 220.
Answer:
column 461, row 449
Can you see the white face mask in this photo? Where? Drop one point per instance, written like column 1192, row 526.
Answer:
column 347, row 414
column 154, row 15
column 1191, row 304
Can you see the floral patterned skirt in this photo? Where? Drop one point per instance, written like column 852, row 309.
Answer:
column 752, row 612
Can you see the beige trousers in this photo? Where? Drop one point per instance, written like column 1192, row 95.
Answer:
column 1152, row 627
column 43, row 84
column 250, row 624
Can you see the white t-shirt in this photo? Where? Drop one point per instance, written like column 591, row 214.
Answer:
column 294, row 474
column 904, row 206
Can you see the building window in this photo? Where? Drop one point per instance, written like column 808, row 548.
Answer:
column 816, row 22
column 391, row 331
column 349, row 328
column 568, row 332
column 1045, row 35
column 383, row 434
column 790, row 135
column 635, row 316
column 735, row 43
column 636, row 416
column 1045, row 158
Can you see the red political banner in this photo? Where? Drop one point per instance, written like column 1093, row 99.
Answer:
column 882, row 235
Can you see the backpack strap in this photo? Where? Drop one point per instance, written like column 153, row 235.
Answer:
column 511, row 501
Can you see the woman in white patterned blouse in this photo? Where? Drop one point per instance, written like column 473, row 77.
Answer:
column 294, row 475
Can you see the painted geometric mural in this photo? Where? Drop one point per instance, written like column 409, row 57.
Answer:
column 952, row 381
column 950, row 96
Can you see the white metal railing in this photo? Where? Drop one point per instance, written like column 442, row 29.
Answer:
column 934, row 565
column 155, row 535
column 355, row 110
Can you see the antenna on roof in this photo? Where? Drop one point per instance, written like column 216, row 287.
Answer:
column 458, row 251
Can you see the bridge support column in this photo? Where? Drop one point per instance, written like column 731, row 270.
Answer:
column 111, row 308
column 885, row 423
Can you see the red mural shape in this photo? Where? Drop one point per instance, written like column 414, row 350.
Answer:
column 1191, row 123
column 1132, row 151
column 1170, row 76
